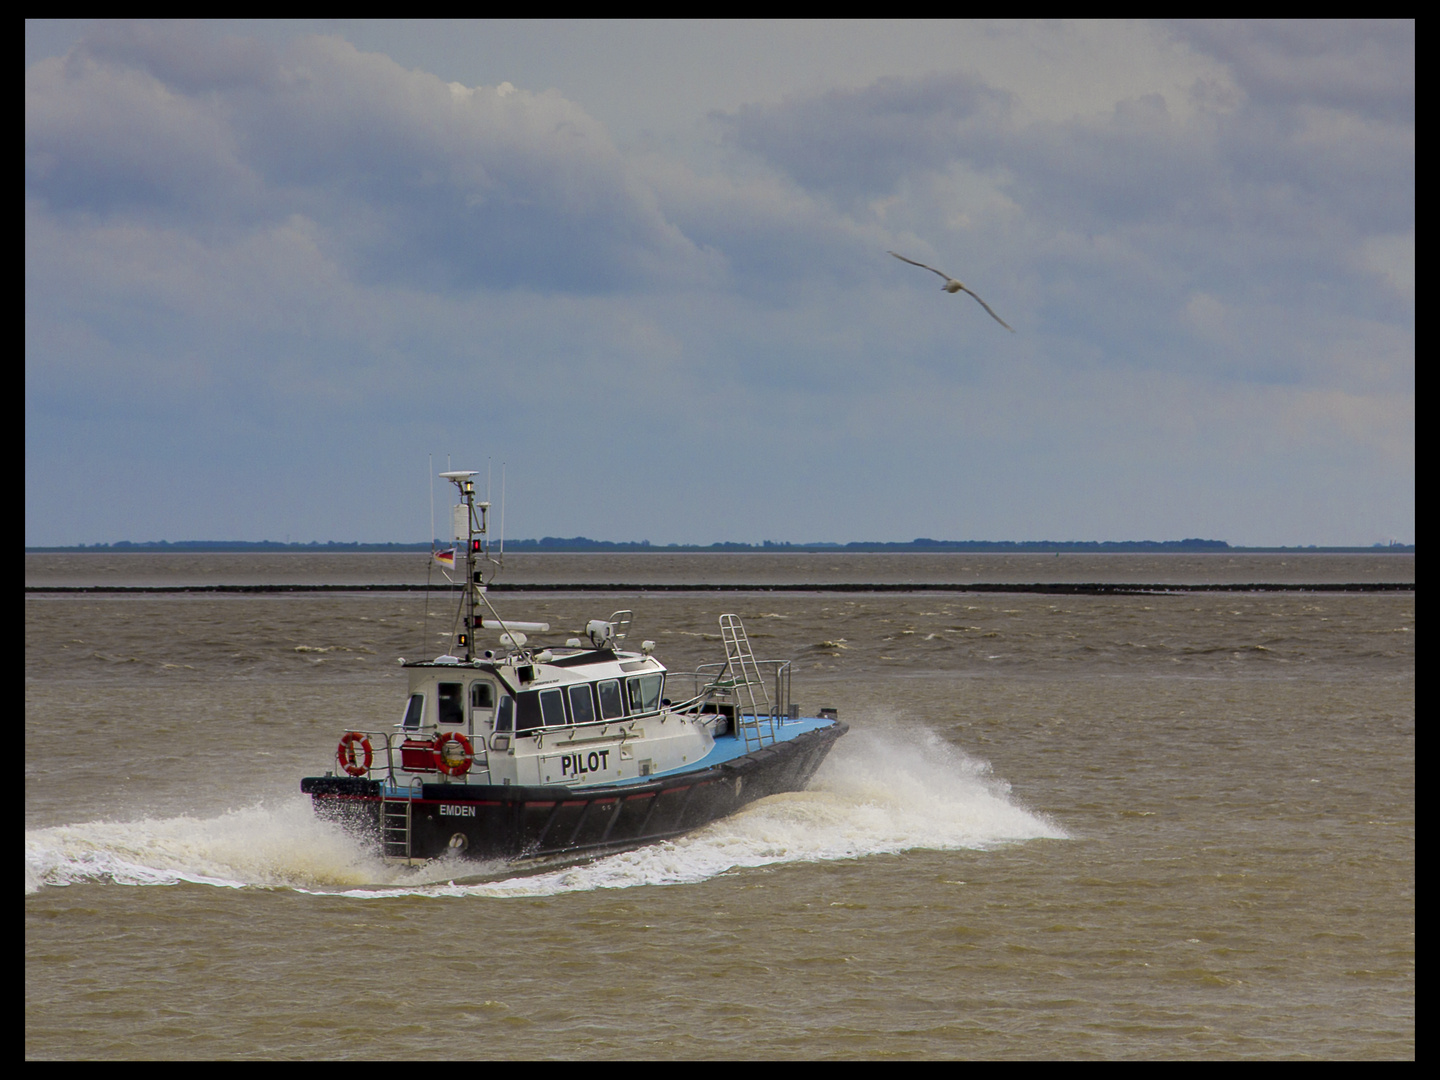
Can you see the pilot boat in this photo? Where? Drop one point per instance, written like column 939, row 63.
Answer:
column 537, row 750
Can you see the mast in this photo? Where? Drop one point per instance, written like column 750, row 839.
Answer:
column 475, row 553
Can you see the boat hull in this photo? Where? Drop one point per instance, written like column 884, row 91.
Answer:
column 485, row 822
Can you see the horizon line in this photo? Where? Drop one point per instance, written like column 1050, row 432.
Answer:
column 581, row 544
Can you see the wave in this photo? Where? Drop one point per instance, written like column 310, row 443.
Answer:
column 886, row 788
column 253, row 847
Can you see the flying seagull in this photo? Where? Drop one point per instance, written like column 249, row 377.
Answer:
column 953, row 286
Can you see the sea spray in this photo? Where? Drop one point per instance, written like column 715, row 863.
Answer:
column 888, row 787
column 260, row 846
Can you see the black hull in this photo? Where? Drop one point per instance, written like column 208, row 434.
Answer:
column 487, row 822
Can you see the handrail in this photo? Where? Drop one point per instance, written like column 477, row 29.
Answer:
column 709, row 683
column 708, row 686
column 374, row 736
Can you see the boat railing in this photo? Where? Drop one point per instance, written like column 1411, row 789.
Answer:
column 385, row 746
column 718, row 688
column 382, row 753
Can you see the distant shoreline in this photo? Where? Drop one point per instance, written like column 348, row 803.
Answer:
column 1051, row 588
column 581, row 546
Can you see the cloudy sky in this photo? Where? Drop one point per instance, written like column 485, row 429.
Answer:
column 271, row 268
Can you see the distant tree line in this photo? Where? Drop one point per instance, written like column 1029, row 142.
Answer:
column 583, row 544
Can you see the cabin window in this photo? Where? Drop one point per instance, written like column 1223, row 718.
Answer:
column 414, row 712
column 582, row 705
column 452, row 703
column 482, row 695
column 552, row 706
column 644, row 693
column 527, row 711
column 611, row 707
column 539, row 708
column 505, row 714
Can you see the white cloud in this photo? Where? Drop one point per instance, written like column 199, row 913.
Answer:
column 1392, row 257
column 411, row 181
column 300, row 248
column 1366, row 67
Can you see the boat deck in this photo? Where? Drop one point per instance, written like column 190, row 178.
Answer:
column 732, row 746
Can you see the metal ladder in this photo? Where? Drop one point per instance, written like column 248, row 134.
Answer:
column 753, row 715
column 395, row 828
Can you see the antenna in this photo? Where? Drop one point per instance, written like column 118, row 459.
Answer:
column 502, row 511
column 432, row 504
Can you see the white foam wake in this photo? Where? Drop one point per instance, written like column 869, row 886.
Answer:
column 885, row 789
column 257, row 846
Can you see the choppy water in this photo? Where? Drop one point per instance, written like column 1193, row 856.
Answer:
column 1162, row 826
column 749, row 568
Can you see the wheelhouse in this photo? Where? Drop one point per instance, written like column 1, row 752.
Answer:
column 497, row 700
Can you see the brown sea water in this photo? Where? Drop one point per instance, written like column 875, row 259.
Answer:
column 748, row 568
column 1174, row 826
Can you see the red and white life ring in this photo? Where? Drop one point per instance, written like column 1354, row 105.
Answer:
column 463, row 767
column 345, row 753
